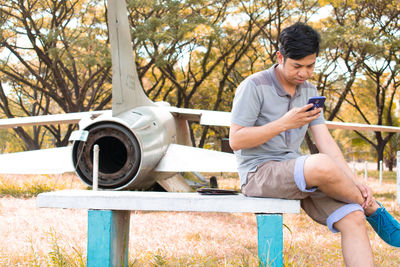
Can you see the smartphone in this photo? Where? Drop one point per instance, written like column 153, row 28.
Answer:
column 318, row 102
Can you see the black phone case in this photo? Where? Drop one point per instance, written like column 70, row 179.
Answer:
column 215, row 191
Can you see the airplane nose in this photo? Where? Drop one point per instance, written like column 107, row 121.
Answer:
column 119, row 156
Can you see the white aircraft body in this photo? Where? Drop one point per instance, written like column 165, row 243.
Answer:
column 141, row 142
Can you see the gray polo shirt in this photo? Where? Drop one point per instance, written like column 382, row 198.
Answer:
column 261, row 99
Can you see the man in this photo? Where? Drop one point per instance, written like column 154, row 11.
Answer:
column 270, row 117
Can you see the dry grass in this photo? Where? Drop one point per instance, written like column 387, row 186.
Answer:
column 25, row 186
column 56, row 237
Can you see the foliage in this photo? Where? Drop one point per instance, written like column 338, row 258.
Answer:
column 194, row 54
column 9, row 142
column 55, row 59
column 362, row 64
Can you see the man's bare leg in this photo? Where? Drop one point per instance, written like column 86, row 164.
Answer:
column 322, row 172
column 355, row 242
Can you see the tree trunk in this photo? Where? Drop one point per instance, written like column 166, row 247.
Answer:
column 311, row 146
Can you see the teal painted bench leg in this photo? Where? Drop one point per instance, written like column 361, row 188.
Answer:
column 270, row 239
column 108, row 238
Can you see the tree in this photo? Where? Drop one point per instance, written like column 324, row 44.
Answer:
column 368, row 31
column 195, row 53
column 390, row 155
column 188, row 49
column 57, row 61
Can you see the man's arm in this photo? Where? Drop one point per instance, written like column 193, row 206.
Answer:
column 327, row 145
column 247, row 137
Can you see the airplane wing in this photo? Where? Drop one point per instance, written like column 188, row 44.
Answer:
column 361, row 127
column 45, row 161
column 180, row 158
column 204, row 117
column 222, row 118
column 49, row 119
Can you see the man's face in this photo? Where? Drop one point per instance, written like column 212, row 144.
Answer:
column 296, row 71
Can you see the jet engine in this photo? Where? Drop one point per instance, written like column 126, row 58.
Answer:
column 131, row 145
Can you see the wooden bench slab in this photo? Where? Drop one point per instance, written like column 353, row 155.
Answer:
column 164, row 201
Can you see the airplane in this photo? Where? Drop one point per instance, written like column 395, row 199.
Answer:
column 141, row 142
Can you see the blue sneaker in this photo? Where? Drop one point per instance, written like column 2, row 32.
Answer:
column 385, row 226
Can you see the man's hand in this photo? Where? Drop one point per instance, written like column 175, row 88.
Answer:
column 366, row 192
column 297, row 117
column 247, row 137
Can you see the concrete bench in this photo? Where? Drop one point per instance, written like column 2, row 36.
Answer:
column 109, row 216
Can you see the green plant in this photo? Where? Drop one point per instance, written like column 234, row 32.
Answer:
column 59, row 257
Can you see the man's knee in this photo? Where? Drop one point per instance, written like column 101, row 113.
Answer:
column 320, row 169
column 354, row 221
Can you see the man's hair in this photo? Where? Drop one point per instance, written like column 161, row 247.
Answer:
column 298, row 41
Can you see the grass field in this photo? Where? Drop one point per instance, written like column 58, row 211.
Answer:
column 56, row 237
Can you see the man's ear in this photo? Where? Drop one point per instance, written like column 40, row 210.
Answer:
column 280, row 58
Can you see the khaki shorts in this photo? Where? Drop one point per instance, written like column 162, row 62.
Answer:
column 285, row 179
